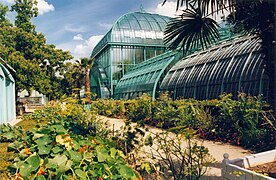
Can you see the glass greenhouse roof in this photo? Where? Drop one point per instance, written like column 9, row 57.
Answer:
column 144, row 78
column 232, row 66
column 135, row 28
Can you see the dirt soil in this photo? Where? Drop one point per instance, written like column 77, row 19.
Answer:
column 266, row 169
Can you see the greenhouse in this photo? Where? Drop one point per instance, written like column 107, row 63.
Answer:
column 231, row 67
column 131, row 59
column 133, row 38
column 7, row 94
column 145, row 77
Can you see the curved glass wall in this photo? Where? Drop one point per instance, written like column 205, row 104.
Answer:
column 233, row 66
column 7, row 96
column 134, row 38
column 145, row 77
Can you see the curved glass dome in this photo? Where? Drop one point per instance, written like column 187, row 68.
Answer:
column 232, row 66
column 145, row 77
column 135, row 28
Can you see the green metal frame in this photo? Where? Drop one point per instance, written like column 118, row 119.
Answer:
column 145, row 77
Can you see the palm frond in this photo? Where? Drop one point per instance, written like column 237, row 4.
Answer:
column 191, row 30
column 209, row 6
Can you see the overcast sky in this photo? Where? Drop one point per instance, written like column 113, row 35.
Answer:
column 77, row 25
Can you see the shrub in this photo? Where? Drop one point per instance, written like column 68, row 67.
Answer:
column 180, row 156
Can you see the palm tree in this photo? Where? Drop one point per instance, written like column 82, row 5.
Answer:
column 86, row 64
column 191, row 30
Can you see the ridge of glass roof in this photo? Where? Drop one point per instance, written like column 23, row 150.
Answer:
column 135, row 28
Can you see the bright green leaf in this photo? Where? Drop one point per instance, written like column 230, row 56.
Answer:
column 113, row 152
column 102, row 153
column 41, row 177
column 81, row 174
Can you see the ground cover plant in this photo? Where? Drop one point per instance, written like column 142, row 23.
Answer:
column 246, row 121
column 71, row 144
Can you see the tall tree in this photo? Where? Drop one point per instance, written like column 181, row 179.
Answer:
column 26, row 51
column 86, row 64
column 3, row 16
column 26, row 10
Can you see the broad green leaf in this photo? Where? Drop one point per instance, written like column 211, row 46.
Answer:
column 25, row 170
column 57, row 149
column 81, row 174
column 113, row 152
column 34, row 162
column 37, row 135
column 76, row 144
column 41, row 177
column 60, row 129
column 14, row 146
column 43, row 150
column 75, row 156
column 126, row 171
column 44, row 140
column 15, row 166
column 59, row 160
column 102, row 153
column 88, row 156
column 83, row 142
column 9, row 135
column 65, row 167
column 120, row 153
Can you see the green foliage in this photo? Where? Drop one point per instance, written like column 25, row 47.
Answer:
column 234, row 121
column 9, row 133
column 26, row 10
column 191, row 30
column 110, row 108
column 140, row 109
column 243, row 122
column 36, row 63
column 73, row 144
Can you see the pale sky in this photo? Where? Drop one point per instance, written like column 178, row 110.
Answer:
column 77, row 25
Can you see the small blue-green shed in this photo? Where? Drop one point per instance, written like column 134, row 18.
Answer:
column 7, row 94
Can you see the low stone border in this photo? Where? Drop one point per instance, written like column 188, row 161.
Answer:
column 235, row 169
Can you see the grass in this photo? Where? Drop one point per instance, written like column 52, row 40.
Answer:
column 6, row 157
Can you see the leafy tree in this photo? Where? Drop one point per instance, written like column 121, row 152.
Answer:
column 3, row 15
column 73, row 77
column 26, row 10
column 36, row 63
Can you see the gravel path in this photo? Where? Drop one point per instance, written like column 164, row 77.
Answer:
column 216, row 149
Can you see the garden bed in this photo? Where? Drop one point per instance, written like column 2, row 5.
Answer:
column 267, row 169
column 257, row 166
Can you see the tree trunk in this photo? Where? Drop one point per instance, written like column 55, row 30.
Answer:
column 87, row 85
